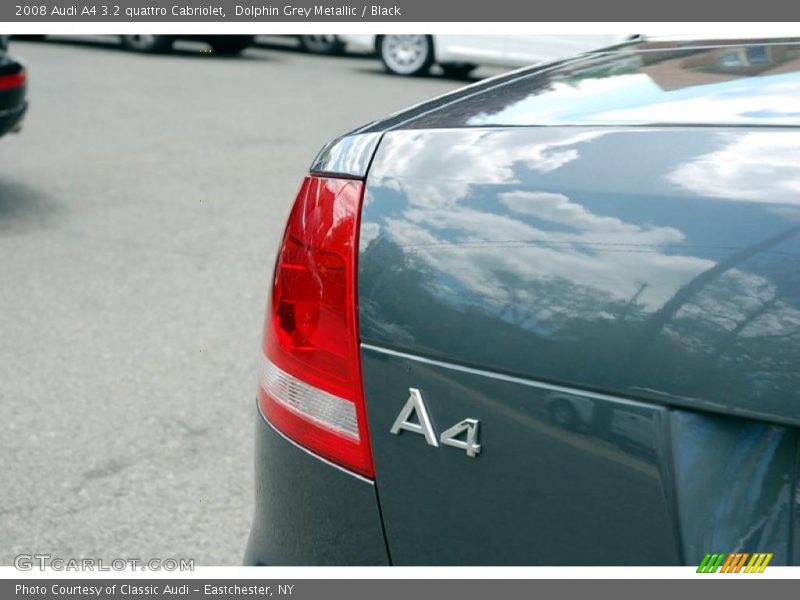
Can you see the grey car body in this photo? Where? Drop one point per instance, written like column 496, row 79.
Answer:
column 596, row 259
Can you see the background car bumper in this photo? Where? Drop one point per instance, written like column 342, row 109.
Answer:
column 359, row 42
column 309, row 512
column 11, row 119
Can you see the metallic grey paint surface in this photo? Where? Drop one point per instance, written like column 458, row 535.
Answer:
column 540, row 492
column 614, row 298
column 309, row 512
column 754, row 84
column 735, row 485
column 595, row 261
column 571, row 477
column 653, row 263
column 348, row 155
column 696, row 83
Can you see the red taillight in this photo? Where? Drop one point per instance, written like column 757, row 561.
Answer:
column 311, row 379
column 14, row 80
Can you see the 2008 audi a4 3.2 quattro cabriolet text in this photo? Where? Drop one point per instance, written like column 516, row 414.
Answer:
column 549, row 319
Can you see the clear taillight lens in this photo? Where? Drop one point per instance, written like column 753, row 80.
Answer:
column 310, row 387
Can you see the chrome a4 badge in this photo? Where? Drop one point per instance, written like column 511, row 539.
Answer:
column 463, row 435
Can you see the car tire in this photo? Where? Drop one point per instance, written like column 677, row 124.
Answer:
column 231, row 45
column 329, row 45
column 406, row 54
column 458, row 70
column 149, row 44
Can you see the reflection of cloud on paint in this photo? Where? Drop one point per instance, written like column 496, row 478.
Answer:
column 477, row 157
column 636, row 98
column 784, row 108
column 368, row 233
column 558, row 208
column 566, row 101
column 605, row 261
column 760, row 167
column 535, row 255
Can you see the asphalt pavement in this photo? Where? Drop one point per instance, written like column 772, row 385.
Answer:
column 140, row 209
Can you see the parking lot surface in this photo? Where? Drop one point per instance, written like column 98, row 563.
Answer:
column 140, row 209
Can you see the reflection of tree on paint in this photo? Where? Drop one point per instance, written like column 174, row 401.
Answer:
column 536, row 284
column 656, row 323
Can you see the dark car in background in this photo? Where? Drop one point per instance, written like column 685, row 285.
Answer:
column 13, row 85
column 552, row 318
column 321, row 44
column 157, row 44
column 229, row 44
column 221, row 44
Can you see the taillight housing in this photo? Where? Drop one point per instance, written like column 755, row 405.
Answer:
column 14, row 80
column 310, row 388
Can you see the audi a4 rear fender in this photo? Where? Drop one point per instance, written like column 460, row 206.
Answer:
column 577, row 321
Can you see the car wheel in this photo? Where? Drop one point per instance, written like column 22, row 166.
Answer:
column 458, row 70
column 406, row 54
column 231, row 45
column 321, row 44
column 150, row 44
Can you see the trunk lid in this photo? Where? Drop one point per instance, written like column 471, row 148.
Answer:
column 618, row 308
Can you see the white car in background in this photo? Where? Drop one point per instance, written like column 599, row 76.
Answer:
column 457, row 55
